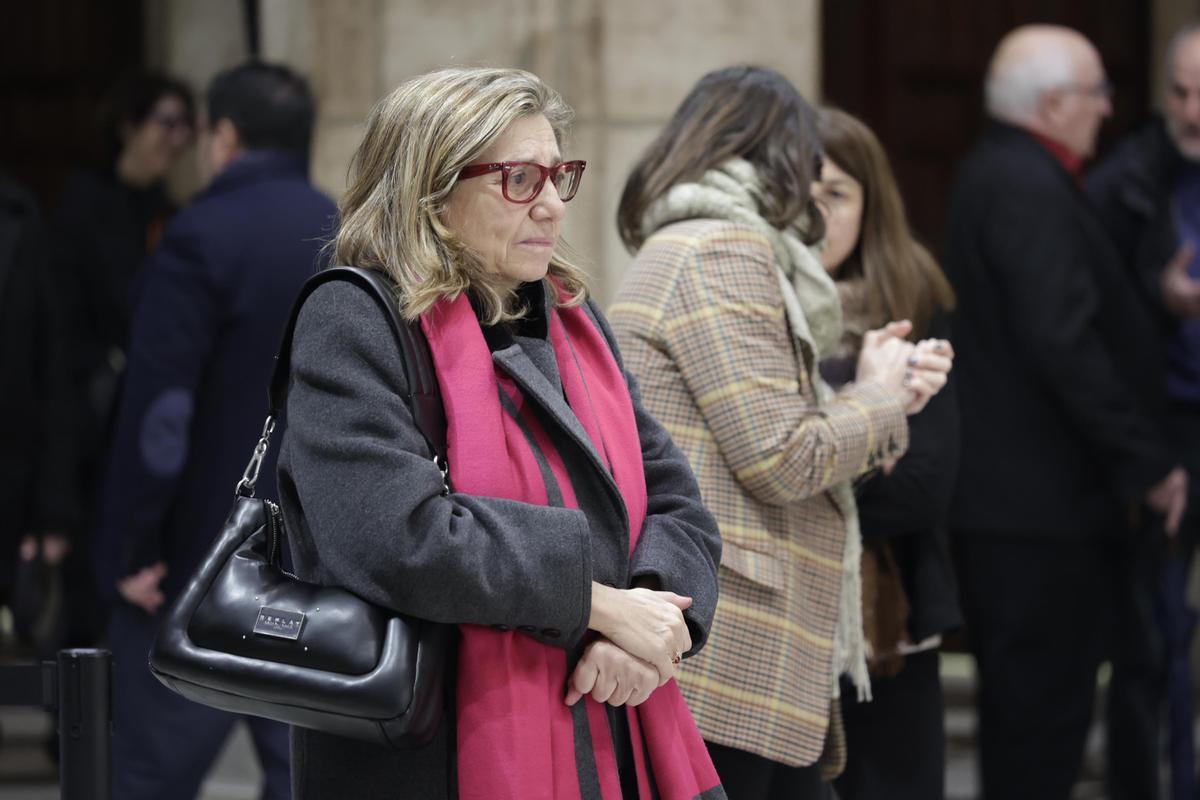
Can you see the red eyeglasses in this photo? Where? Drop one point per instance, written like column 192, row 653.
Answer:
column 521, row 181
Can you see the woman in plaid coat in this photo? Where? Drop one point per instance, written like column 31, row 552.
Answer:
column 722, row 317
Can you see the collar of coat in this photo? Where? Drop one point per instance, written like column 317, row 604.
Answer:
column 731, row 192
column 1149, row 164
column 255, row 166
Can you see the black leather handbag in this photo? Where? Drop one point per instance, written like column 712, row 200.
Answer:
column 249, row 637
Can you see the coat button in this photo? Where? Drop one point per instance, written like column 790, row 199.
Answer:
column 526, row 628
column 501, row 628
column 551, row 633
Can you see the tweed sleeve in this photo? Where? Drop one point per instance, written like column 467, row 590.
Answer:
column 727, row 332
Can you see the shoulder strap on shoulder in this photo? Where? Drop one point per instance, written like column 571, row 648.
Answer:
column 424, row 398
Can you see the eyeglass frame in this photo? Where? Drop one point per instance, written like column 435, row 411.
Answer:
column 505, row 167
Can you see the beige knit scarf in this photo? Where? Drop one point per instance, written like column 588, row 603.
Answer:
column 731, row 192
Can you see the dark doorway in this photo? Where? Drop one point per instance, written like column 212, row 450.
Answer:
column 58, row 59
column 913, row 70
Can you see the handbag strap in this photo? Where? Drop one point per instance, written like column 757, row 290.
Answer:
column 423, row 397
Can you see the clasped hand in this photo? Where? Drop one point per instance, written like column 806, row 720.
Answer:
column 645, row 636
column 610, row 675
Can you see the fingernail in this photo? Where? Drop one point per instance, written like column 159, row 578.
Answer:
column 912, row 361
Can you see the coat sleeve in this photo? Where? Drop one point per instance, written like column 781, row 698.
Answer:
column 171, row 340
column 372, row 498
column 680, row 544
column 1044, row 276
column 726, row 330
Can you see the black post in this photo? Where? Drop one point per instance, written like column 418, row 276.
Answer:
column 250, row 15
column 85, row 724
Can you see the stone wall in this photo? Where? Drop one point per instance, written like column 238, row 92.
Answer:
column 622, row 64
column 1167, row 16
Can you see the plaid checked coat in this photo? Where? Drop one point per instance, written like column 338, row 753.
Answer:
column 701, row 323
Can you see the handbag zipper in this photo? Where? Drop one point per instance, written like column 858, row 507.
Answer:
column 273, row 529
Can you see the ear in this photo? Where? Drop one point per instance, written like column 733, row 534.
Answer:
column 1049, row 104
column 226, row 139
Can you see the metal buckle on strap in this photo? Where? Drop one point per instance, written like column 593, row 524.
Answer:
column 245, row 487
column 444, row 468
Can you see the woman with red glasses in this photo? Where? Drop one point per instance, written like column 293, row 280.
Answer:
column 572, row 552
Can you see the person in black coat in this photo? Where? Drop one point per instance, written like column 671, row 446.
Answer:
column 1059, row 388
column 37, row 499
column 895, row 743
column 213, row 303
column 1147, row 192
column 107, row 221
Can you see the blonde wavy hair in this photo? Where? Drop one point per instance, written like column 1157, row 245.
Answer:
column 417, row 140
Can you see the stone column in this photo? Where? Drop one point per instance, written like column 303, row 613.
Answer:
column 1166, row 17
column 193, row 40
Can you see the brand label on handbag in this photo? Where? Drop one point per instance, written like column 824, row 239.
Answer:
column 279, row 623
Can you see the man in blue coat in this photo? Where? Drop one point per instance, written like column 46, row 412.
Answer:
column 210, row 311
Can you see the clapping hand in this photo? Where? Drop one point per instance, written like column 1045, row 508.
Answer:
column 911, row 373
column 928, row 370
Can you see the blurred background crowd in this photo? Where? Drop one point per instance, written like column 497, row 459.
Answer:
column 117, row 117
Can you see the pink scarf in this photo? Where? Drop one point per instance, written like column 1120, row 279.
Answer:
column 516, row 736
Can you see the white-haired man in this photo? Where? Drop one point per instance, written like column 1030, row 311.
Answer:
column 1060, row 442
column 1148, row 195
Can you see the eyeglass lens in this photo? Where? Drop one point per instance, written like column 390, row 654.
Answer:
column 524, row 181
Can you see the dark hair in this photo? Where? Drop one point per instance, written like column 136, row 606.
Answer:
column 269, row 105
column 902, row 280
column 130, row 102
column 745, row 111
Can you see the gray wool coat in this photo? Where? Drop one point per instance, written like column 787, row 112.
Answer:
column 362, row 502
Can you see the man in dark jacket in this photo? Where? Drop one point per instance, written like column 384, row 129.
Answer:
column 212, row 305
column 1148, row 195
column 1058, row 386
